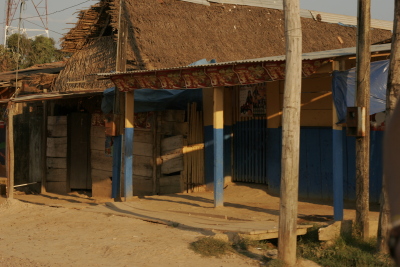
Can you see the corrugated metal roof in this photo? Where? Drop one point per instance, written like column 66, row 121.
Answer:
column 329, row 54
column 51, row 96
column 350, row 20
column 322, row 54
column 275, row 4
column 201, row 2
column 304, row 13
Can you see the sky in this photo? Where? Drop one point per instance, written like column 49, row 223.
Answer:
column 64, row 12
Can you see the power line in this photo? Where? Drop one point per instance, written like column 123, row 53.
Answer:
column 58, row 11
column 42, row 27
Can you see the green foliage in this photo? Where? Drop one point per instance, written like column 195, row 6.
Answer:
column 346, row 250
column 6, row 60
column 30, row 52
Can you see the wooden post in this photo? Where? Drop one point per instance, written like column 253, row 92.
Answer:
column 118, row 103
column 392, row 97
column 44, row 149
column 337, row 157
column 290, row 135
column 129, row 134
column 362, row 100
column 218, row 119
column 10, row 151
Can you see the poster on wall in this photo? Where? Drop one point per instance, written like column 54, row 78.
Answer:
column 252, row 100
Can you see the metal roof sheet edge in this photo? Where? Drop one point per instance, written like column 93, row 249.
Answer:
column 306, row 56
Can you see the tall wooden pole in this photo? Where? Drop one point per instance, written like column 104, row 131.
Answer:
column 392, row 97
column 10, row 152
column 362, row 100
column 290, row 135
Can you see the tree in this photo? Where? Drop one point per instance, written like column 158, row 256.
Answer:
column 392, row 97
column 6, row 59
column 30, row 52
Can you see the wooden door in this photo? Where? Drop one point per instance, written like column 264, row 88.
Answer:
column 79, row 161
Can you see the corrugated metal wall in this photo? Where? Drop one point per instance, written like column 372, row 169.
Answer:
column 249, row 145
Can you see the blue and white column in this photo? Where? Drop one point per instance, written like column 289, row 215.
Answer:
column 218, row 133
column 129, row 134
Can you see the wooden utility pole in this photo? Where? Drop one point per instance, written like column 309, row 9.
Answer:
column 392, row 97
column 362, row 100
column 290, row 135
column 10, row 150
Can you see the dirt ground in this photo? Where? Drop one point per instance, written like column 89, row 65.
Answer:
column 77, row 230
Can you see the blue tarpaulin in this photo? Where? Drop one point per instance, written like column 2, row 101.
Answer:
column 344, row 88
column 156, row 100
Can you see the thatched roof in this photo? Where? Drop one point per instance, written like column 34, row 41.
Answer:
column 170, row 33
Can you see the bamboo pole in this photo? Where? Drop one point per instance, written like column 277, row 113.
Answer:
column 290, row 135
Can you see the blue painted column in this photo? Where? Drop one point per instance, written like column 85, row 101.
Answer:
column 129, row 133
column 218, row 132
column 116, row 169
column 337, row 167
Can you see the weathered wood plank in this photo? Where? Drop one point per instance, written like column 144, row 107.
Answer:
column 174, row 128
column 173, row 115
column 57, row 175
column 98, row 143
column 57, row 130
column 172, row 164
column 100, row 161
column 57, row 147
column 143, row 166
column 56, row 120
column 98, row 131
column 171, row 144
column 314, row 100
column 316, row 118
column 143, row 136
column 142, row 149
column 174, row 180
column 142, row 186
column 57, row 163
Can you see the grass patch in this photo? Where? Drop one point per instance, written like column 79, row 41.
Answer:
column 346, row 250
column 209, row 246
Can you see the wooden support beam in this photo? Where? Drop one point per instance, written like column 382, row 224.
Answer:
column 363, row 100
column 218, row 128
column 10, row 151
column 44, row 149
column 290, row 135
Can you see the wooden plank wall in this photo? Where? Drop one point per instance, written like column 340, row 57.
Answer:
column 57, row 173
column 316, row 101
column 143, row 161
column 173, row 135
column 101, row 164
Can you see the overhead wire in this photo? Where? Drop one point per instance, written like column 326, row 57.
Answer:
column 58, row 11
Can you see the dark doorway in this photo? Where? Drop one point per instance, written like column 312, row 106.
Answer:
column 79, row 152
